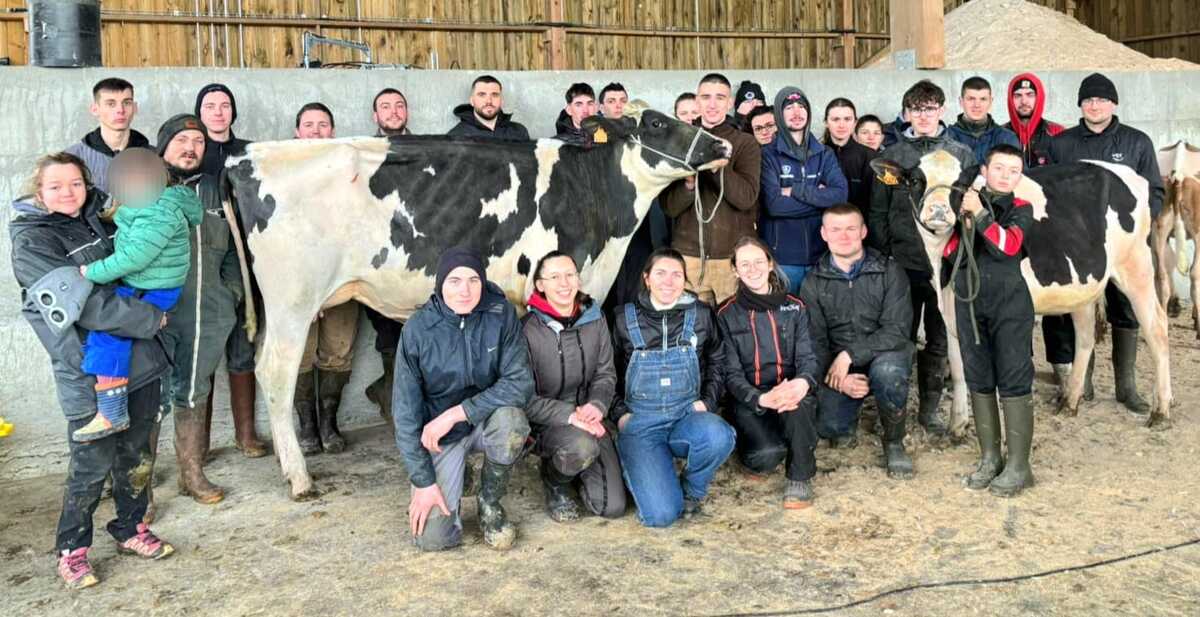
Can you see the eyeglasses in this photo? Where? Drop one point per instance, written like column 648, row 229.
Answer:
column 766, row 128
column 569, row 277
column 757, row 264
column 923, row 111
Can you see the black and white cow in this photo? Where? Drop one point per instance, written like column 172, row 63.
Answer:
column 366, row 219
column 1091, row 224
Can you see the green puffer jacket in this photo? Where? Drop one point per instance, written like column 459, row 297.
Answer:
column 152, row 244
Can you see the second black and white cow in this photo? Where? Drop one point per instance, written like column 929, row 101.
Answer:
column 1091, row 224
column 366, row 219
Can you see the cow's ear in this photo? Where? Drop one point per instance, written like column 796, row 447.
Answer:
column 887, row 172
column 603, row 130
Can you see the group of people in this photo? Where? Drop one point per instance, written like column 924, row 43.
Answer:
column 758, row 325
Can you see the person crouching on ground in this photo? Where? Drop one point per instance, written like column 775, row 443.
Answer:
column 669, row 355
column 462, row 382
column 570, row 352
column 771, row 371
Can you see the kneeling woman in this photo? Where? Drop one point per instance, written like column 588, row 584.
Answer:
column 571, row 355
column 669, row 353
column 769, row 370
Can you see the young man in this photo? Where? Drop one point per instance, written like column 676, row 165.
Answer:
column 114, row 108
column 686, row 108
column 613, row 99
column 841, row 118
column 894, row 234
column 462, row 383
column 581, row 105
column 1100, row 136
column 975, row 127
column 761, row 124
column 314, row 121
column 735, row 216
column 859, row 317
column 217, row 109
column 483, row 115
column 1026, row 100
column 800, row 178
column 995, row 330
column 390, row 112
column 748, row 98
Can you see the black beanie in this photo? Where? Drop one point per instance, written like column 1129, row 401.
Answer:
column 175, row 125
column 1097, row 85
column 459, row 256
column 749, row 90
column 218, row 88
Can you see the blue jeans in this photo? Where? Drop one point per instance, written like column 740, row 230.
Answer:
column 106, row 354
column 888, row 376
column 795, row 276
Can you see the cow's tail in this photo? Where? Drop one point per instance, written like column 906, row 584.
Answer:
column 1181, row 262
column 231, row 215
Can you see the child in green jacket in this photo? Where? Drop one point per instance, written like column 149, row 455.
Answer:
column 151, row 259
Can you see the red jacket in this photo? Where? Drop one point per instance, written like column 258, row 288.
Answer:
column 1036, row 133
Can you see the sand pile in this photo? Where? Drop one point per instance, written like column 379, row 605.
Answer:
column 1018, row 35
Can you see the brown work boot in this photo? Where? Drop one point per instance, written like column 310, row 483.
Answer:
column 241, row 402
column 190, row 435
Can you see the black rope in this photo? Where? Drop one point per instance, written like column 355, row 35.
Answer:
column 966, row 245
column 969, row 582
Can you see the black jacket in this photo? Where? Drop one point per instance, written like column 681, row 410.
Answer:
column 653, row 324
column 565, row 131
column 855, row 161
column 864, row 313
column 890, row 224
column 1037, row 151
column 479, row 361
column 216, row 152
column 762, row 348
column 469, row 126
column 43, row 241
column 1118, row 143
column 572, row 363
column 999, row 240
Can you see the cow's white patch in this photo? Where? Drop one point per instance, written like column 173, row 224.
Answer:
column 505, row 204
column 547, row 157
column 430, row 170
column 402, row 210
column 1032, row 192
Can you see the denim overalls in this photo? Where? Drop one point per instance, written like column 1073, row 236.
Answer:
column 660, row 387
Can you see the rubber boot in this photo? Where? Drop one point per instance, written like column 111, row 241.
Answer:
column 1125, row 366
column 899, row 464
column 1018, row 429
column 498, row 532
column 241, row 401
column 190, row 435
column 559, row 505
column 931, row 379
column 329, row 391
column 151, row 509
column 112, row 411
column 306, row 408
column 380, row 390
column 987, row 427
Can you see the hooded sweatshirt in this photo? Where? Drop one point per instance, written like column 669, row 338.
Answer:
column 470, row 126
column 215, row 152
column 566, row 131
column 98, row 156
column 1035, row 133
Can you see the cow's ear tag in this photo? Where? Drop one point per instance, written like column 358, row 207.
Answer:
column 600, row 136
column 889, row 178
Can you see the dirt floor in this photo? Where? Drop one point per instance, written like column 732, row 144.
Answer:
column 1106, row 488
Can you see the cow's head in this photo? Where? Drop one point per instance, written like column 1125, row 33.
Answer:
column 666, row 148
column 934, row 186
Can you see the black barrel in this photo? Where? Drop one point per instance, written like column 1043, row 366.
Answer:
column 64, row 33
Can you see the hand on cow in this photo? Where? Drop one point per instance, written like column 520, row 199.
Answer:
column 439, row 426
column 690, row 182
column 971, row 203
column 422, row 502
column 838, row 370
column 855, row 386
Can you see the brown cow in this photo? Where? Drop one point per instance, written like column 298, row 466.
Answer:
column 1180, row 217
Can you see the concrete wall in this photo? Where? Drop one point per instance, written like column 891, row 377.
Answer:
column 46, row 110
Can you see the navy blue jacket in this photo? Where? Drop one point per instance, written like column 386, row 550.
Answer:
column 791, row 225
column 478, row 360
column 983, row 138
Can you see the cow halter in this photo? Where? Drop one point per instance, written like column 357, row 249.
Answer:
column 686, row 161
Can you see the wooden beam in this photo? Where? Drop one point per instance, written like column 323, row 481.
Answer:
column 918, row 28
column 848, row 35
column 558, row 35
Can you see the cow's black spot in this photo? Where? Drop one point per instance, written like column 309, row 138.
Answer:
column 523, row 265
column 380, row 259
column 243, row 188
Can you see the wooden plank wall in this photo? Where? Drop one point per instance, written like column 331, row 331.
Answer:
column 189, row 44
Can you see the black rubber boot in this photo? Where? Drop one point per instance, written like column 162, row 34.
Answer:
column 306, row 407
column 1125, row 366
column 931, row 380
column 987, row 427
column 498, row 532
column 329, row 396
column 559, row 505
column 380, row 390
column 1018, row 428
column 899, row 464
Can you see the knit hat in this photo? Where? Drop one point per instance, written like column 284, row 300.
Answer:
column 749, row 90
column 459, row 256
column 217, row 88
column 1098, row 86
column 175, row 125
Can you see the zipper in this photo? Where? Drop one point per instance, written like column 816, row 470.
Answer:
column 757, row 361
column 778, row 353
column 664, row 332
column 582, row 365
column 462, row 327
column 562, row 370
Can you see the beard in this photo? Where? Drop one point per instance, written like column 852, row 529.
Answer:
column 483, row 113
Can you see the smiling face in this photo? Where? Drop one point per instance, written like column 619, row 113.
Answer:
column 62, row 189
column 715, row 100
column 753, row 268
column 870, row 134
column 314, row 124
column 764, row 128
column 665, row 280
column 795, row 116
column 391, row 112
column 558, row 281
column 844, row 233
column 1097, row 111
column 185, row 150
column 216, row 112
column 462, row 290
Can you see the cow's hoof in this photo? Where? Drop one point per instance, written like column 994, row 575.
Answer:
column 1173, row 309
column 303, row 492
column 1158, row 421
column 1067, row 410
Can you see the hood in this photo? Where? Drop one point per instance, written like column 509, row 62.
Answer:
column 218, row 88
column 27, row 214
column 564, row 125
column 975, row 129
column 1025, row 130
column 587, row 311
column 797, row 149
column 466, row 113
column 491, row 297
column 96, row 142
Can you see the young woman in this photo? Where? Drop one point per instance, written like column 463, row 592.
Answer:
column 570, row 352
column 853, row 157
column 868, row 131
column 770, row 371
column 57, row 229
column 669, row 355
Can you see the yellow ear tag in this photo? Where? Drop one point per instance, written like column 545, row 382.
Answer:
column 600, row 136
column 889, row 178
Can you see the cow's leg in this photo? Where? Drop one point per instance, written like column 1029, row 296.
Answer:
column 1085, row 342
column 959, row 410
column 1133, row 278
column 1164, row 259
column 282, row 348
column 1194, row 276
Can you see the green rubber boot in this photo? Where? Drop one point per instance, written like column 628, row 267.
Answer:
column 1018, row 428
column 987, row 427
